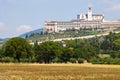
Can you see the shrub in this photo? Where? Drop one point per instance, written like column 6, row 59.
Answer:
column 80, row 60
column 33, row 60
column 73, row 60
column 115, row 61
column 95, row 61
column 105, row 61
column 7, row 59
column 56, row 60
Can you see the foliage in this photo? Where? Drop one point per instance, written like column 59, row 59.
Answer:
column 6, row 59
column 105, row 61
column 116, row 44
column 18, row 48
column 65, row 34
column 79, row 50
column 56, row 60
column 73, row 60
column 47, row 51
column 66, row 55
column 1, row 53
column 80, row 60
column 115, row 54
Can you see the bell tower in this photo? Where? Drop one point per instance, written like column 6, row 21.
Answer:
column 89, row 13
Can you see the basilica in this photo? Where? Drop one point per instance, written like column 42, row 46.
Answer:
column 83, row 21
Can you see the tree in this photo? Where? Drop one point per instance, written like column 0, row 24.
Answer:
column 1, row 53
column 18, row 48
column 47, row 51
column 80, row 60
column 67, row 54
column 73, row 60
column 115, row 54
column 85, row 51
column 116, row 44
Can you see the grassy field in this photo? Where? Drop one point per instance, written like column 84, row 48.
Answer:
column 59, row 72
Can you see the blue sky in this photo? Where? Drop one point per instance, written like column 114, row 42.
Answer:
column 20, row 16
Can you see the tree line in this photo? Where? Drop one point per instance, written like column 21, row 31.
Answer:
column 74, row 51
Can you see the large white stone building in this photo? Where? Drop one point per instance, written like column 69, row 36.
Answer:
column 88, row 20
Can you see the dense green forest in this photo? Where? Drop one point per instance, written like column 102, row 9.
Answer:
column 97, row 50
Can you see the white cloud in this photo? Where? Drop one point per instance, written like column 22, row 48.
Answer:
column 24, row 28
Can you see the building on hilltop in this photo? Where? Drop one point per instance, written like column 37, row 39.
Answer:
column 88, row 20
column 90, row 17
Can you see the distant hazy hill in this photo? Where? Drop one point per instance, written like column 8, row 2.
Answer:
column 31, row 32
column 2, row 40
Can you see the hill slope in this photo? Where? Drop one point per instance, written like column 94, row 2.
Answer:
column 63, row 34
column 32, row 32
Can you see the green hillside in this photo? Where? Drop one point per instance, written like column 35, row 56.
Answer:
column 66, row 34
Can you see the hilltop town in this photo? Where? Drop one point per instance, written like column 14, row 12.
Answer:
column 85, row 25
column 83, row 21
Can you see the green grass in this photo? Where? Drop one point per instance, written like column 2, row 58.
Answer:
column 58, row 72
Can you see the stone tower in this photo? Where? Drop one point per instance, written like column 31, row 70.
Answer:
column 89, row 13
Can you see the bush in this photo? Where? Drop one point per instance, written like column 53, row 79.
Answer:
column 56, row 60
column 116, row 61
column 94, row 61
column 101, row 61
column 105, row 61
column 1, row 53
column 7, row 59
column 24, row 60
column 33, row 60
column 73, row 60
column 80, row 60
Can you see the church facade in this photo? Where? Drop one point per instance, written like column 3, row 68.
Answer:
column 88, row 20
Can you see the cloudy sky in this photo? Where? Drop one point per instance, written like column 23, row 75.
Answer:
column 20, row 16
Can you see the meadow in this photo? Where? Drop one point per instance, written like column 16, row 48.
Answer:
column 59, row 72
